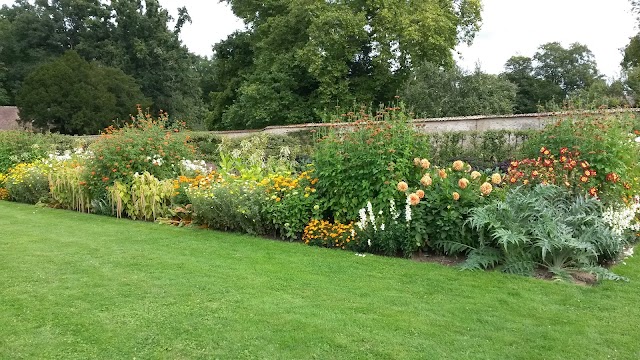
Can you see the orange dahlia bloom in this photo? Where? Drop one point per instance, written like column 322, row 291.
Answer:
column 425, row 163
column 496, row 178
column 458, row 165
column 475, row 175
column 414, row 199
column 442, row 173
column 463, row 183
column 426, row 180
column 456, row 196
column 420, row 194
column 403, row 186
column 486, row 188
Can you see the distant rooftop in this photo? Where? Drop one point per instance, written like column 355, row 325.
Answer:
column 9, row 118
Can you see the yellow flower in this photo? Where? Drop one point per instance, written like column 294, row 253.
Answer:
column 475, row 175
column 456, row 196
column 458, row 165
column 496, row 178
column 486, row 188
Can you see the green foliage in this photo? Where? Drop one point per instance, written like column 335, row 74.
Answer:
column 287, row 67
column 145, row 198
column 133, row 36
column 363, row 162
column 22, row 146
column 604, row 140
column 552, row 75
column 72, row 96
column 434, row 91
column 546, row 226
column 146, row 144
column 445, row 197
column 28, row 183
column 67, row 186
column 232, row 206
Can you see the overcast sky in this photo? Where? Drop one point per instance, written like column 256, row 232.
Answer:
column 509, row 27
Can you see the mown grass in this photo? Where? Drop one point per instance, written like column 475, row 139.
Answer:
column 77, row 286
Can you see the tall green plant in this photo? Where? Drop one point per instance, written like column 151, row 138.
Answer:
column 363, row 161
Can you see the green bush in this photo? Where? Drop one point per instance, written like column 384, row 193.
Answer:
column 146, row 144
column 545, row 226
column 28, row 183
column 23, row 146
column 145, row 198
column 605, row 141
column 363, row 162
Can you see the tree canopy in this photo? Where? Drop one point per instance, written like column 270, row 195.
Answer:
column 72, row 96
column 132, row 35
column 298, row 57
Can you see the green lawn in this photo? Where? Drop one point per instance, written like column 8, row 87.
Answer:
column 77, row 286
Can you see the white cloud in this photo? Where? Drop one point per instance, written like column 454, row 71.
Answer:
column 513, row 27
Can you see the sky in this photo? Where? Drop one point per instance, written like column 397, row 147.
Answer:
column 509, row 27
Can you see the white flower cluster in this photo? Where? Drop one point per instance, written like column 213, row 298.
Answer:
column 407, row 210
column 195, row 166
column 58, row 157
column 623, row 218
column 156, row 160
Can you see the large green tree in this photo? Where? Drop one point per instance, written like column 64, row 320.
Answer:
column 553, row 74
column 72, row 96
column 133, row 35
column 307, row 55
column 436, row 91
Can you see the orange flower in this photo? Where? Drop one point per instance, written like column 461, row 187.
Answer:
column 475, row 175
column 426, row 180
column 403, row 186
column 486, row 188
column 564, row 150
column 584, row 179
column 414, row 199
column 593, row 192
column 458, row 165
column 416, row 161
column 420, row 194
column 496, row 179
column 456, row 196
column 442, row 173
column 463, row 183
column 425, row 163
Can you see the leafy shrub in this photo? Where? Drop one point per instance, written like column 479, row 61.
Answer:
column 568, row 170
column 361, row 163
column 250, row 159
column 28, row 183
column 145, row 198
column 67, row 185
column 545, row 226
column 24, row 147
column 146, row 144
column 231, row 205
column 326, row 234
column 290, row 203
column 441, row 200
column 604, row 141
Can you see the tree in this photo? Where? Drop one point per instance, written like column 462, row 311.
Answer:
column 532, row 92
column 309, row 55
column 572, row 69
column 132, row 35
column 435, row 91
column 72, row 96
